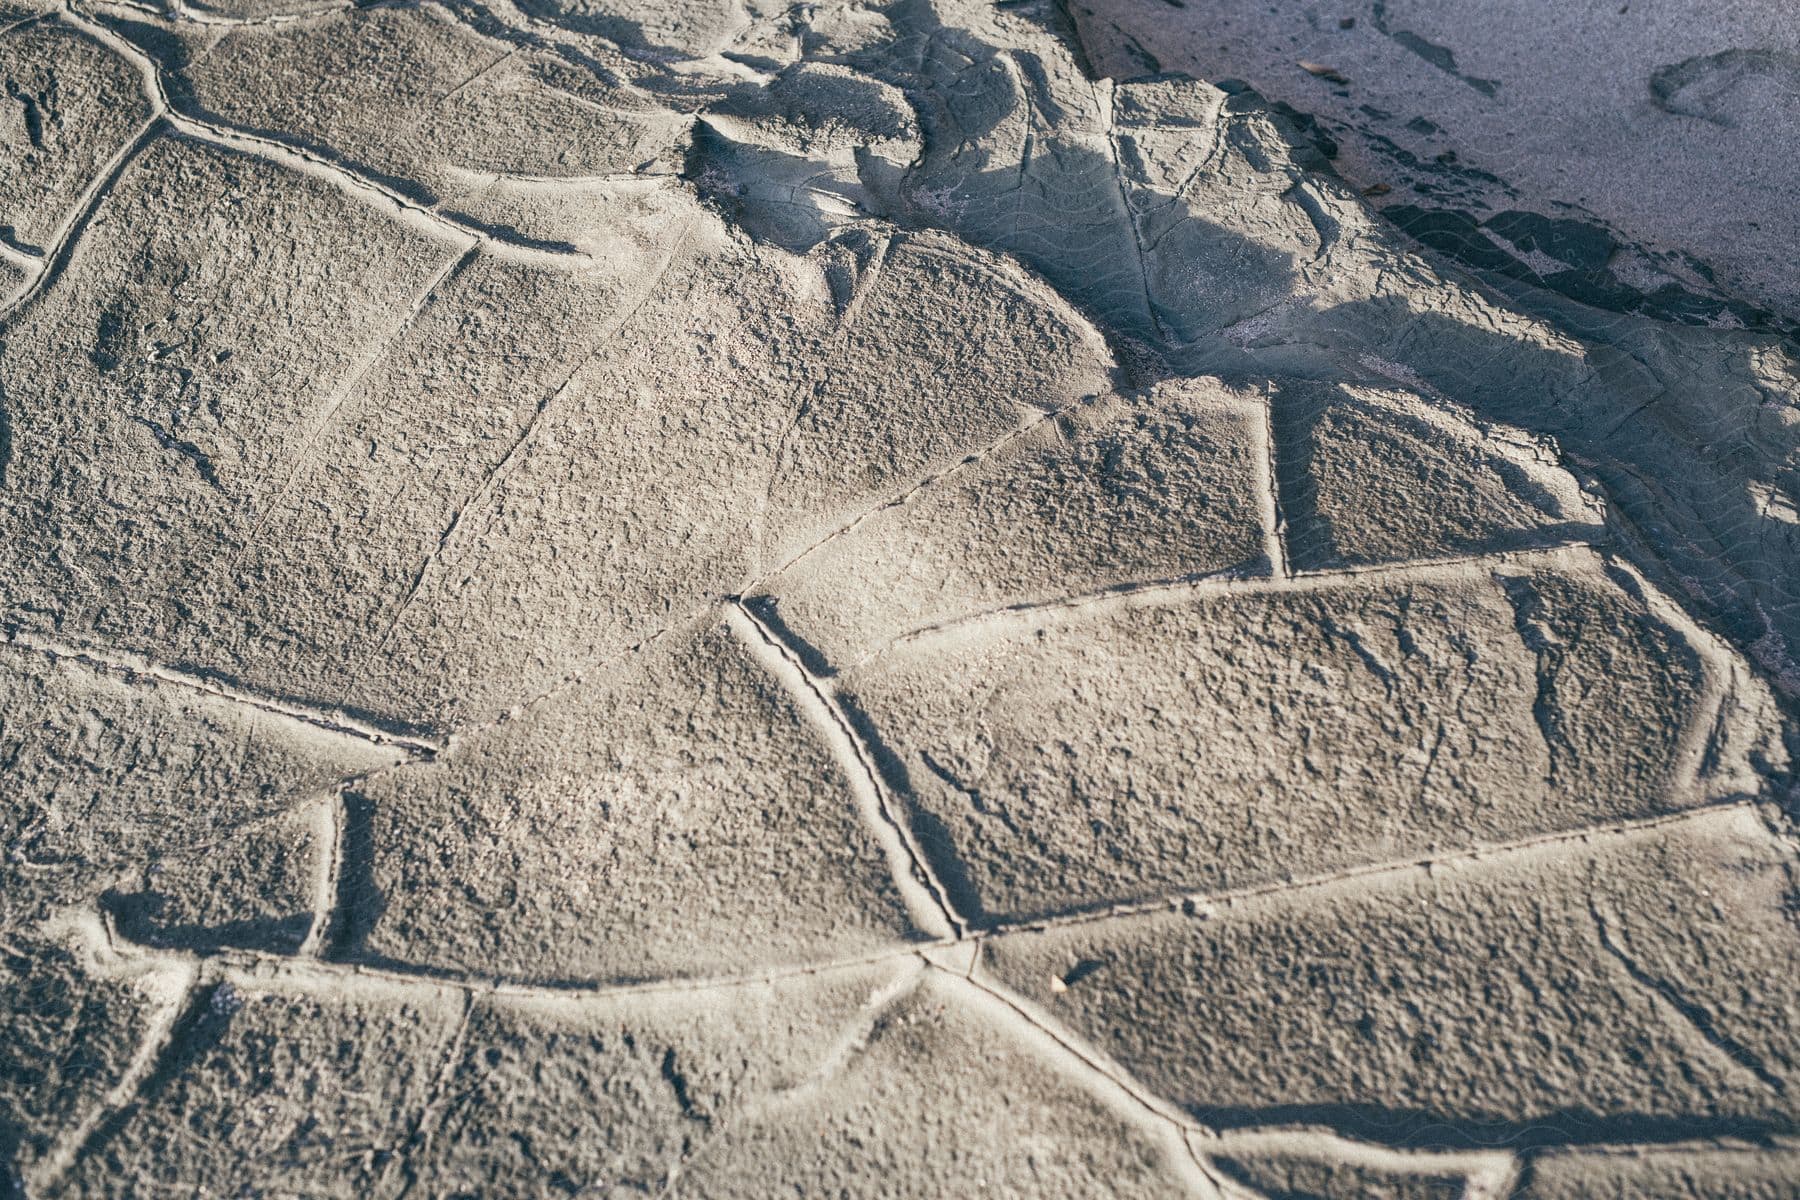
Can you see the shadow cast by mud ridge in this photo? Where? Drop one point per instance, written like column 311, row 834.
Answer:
column 626, row 35
column 1421, row 1129
column 200, row 1027
column 1154, row 272
column 360, row 900
column 933, row 837
column 12, row 1136
column 1313, row 538
column 136, row 916
column 767, row 609
column 318, row 709
column 1669, row 421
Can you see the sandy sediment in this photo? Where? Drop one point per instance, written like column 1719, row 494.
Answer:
column 912, row 600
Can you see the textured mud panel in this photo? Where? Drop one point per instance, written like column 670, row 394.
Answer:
column 736, row 599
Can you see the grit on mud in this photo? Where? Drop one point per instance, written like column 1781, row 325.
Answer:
column 723, row 598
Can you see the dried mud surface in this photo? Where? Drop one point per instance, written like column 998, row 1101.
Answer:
column 709, row 598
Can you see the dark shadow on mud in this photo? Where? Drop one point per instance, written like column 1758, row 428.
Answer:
column 934, row 838
column 198, row 1029
column 767, row 609
column 609, row 21
column 1585, row 254
column 360, row 900
column 1312, row 539
column 1421, row 1129
column 138, row 916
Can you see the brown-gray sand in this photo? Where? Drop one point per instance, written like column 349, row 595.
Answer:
column 720, row 598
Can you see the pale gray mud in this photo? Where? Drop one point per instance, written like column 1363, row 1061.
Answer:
column 723, row 598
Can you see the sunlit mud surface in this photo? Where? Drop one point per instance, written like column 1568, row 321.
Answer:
column 704, row 598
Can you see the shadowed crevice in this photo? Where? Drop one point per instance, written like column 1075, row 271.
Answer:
column 1423, row 1129
column 932, row 835
column 199, row 1028
column 767, row 609
column 136, row 915
column 360, row 901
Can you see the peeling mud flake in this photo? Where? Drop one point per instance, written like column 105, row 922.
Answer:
column 708, row 834
column 1324, row 1176
column 1210, row 737
column 1467, row 1006
column 134, row 787
column 279, row 1092
column 68, row 107
column 156, row 389
column 1119, row 492
column 1372, row 476
column 417, row 103
column 944, row 1092
column 546, row 1096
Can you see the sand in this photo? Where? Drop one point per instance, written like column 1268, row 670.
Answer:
column 943, row 599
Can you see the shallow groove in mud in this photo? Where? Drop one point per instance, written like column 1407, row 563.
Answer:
column 887, row 588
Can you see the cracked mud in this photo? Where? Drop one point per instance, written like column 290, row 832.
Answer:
column 712, row 598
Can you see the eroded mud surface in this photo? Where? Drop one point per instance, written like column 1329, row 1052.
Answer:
column 727, row 599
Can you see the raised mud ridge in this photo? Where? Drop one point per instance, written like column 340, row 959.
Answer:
column 726, row 599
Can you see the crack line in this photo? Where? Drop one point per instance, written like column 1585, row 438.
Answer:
column 179, row 1017
column 1269, row 497
column 322, row 417
column 502, row 470
column 62, row 247
column 1693, row 1015
column 1104, row 99
column 117, row 663
column 927, row 901
column 431, row 1112
column 1233, row 582
column 1086, row 1061
column 327, row 976
column 1026, row 426
column 330, row 821
column 1368, row 872
column 298, row 157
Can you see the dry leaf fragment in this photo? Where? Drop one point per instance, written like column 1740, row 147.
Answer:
column 1322, row 71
